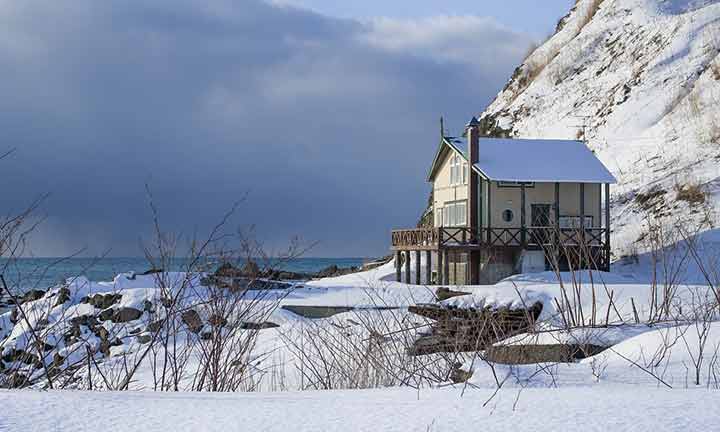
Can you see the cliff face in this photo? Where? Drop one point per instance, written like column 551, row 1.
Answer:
column 639, row 80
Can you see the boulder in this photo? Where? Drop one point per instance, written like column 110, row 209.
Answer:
column 446, row 293
column 459, row 375
column 103, row 301
column 531, row 354
column 148, row 306
column 152, row 271
column 126, row 314
column 31, row 295
column 144, row 338
column 217, row 321
column 63, row 296
column 228, row 270
column 155, row 326
column 258, row 326
column 106, row 315
column 192, row 320
column 251, row 269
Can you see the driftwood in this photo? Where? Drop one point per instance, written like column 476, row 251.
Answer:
column 466, row 330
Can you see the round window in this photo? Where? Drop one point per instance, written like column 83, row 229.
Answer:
column 508, row 215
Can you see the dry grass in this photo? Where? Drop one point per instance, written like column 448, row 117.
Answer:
column 716, row 71
column 691, row 193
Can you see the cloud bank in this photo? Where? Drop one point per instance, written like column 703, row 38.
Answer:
column 325, row 124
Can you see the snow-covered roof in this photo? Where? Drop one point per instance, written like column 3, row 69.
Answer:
column 536, row 160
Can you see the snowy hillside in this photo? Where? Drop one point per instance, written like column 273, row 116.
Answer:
column 639, row 80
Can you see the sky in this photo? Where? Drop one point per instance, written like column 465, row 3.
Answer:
column 320, row 117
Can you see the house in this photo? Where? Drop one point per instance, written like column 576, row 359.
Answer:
column 507, row 206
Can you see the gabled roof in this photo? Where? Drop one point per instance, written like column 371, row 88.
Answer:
column 531, row 160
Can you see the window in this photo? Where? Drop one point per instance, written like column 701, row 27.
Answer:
column 458, row 170
column 454, row 214
column 574, row 221
column 508, row 215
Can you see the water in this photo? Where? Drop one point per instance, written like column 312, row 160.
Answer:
column 45, row 272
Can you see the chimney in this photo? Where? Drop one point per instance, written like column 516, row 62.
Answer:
column 472, row 132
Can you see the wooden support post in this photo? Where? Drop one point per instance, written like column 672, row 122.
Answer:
column 417, row 267
column 557, row 235
column 398, row 266
column 428, row 267
column 582, row 207
column 489, row 212
column 440, row 267
column 557, row 208
column 607, row 226
column 446, row 267
column 584, row 260
column 408, row 276
column 523, row 222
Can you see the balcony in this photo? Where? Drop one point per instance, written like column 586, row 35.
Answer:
column 424, row 239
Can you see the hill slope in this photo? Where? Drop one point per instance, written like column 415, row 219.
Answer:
column 639, row 80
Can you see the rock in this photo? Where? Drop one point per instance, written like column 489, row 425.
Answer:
column 446, row 293
column 207, row 335
column 531, row 354
column 144, row 338
column 458, row 375
column 228, row 270
column 258, row 326
column 251, row 269
column 101, row 332
column 31, row 295
column 63, row 296
column 152, row 271
column 126, row 314
column 21, row 356
column 101, row 301
column 135, row 331
column 192, row 320
column 58, row 360
column 106, row 315
column 334, row 271
column 155, row 326
column 217, row 321
column 328, row 272
column 18, row 380
column 148, row 306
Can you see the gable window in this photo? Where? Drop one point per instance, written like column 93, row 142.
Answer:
column 454, row 214
column 458, row 170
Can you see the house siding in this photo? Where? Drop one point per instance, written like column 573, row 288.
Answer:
column 443, row 190
column 509, row 198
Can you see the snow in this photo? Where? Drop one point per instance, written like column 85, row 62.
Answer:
column 537, row 160
column 590, row 408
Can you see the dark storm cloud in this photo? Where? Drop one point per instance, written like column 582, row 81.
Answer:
column 327, row 124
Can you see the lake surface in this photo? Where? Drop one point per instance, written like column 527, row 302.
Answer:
column 45, row 272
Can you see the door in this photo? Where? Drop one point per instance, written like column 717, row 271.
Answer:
column 540, row 218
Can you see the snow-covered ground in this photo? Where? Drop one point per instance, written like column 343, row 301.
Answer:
column 614, row 408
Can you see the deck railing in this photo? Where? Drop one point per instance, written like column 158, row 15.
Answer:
column 534, row 237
